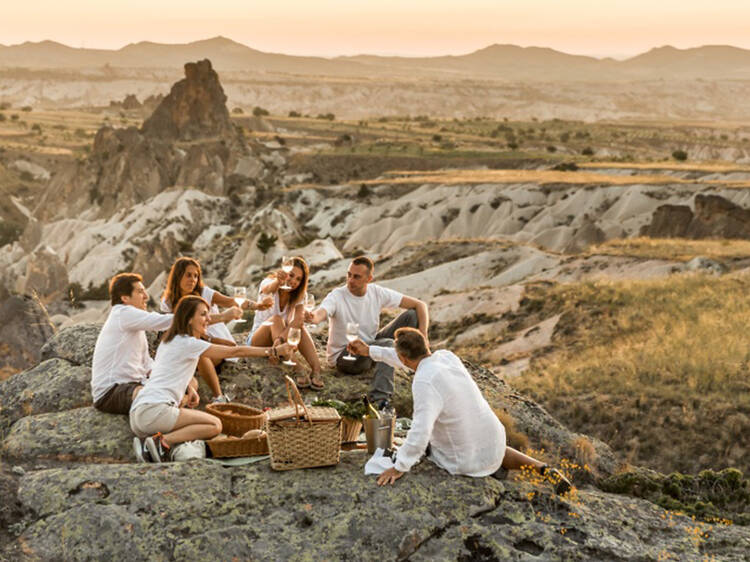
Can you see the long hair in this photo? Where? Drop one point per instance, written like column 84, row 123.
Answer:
column 183, row 314
column 173, row 293
column 295, row 296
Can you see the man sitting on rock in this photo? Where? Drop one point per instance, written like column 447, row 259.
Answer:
column 452, row 422
column 121, row 360
column 361, row 301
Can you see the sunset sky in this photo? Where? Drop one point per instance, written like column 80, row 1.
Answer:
column 403, row 27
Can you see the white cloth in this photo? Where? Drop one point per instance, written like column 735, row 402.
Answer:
column 217, row 330
column 378, row 463
column 263, row 315
column 121, row 351
column 343, row 307
column 174, row 366
column 451, row 415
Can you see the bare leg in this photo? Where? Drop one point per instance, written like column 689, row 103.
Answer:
column 207, row 371
column 191, row 425
column 514, row 460
column 307, row 349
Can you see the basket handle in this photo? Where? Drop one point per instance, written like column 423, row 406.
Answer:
column 297, row 400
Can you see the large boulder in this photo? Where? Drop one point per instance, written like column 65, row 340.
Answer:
column 52, row 386
column 24, row 327
column 83, row 434
column 46, row 274
column 74, row 344
column 196, row 510
column 714, row 217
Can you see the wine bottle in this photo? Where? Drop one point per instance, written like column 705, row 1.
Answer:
column 370, row 410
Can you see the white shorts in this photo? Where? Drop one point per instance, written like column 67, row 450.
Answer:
column 148, row 419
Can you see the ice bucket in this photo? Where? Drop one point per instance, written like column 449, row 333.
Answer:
column 379, row 432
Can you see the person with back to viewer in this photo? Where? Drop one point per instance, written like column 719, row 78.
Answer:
column 361, row 301
column 452, row 422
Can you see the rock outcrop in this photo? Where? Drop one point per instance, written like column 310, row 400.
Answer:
column 714, row 217
column 95, row 509
column 24, row 327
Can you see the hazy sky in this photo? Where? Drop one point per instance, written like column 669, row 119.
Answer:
column 405, row 27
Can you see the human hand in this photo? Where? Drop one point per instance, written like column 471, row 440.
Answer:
column 232, row 313
column 389, row 477
column 358, row 347
column 284, row 349
column 264, row 304
column 193, row 399
column 281, row 275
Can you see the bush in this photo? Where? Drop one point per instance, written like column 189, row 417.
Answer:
column 259, row 111
column 26, row 176
column 680, row 155
column 588, row 151
column 326, row 116
column 565, row 137
column 238, row 111
column 5, row 105
column 14, row 117
column 437, row 138
column 9, row 232
column 295, row 114
column 36, row 127
column 513, row 145
column 26, row 108
column 551, row 148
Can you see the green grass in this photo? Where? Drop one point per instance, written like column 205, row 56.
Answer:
column 658, row 369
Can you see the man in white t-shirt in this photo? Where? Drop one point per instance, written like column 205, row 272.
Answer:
column 361, row 301
column 452, row 422
column 121, row 360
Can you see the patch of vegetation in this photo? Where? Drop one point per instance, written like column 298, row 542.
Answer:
column 9, row 232
column 680, row 155
column 352, row 410
column 259, row 111
column 656, row 369
column 678, row 249
column 709, row 495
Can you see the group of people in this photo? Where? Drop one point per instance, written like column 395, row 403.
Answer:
column 452, row 423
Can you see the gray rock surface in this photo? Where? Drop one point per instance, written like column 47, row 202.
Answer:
column 199, row 510
column 75, row 344
column 24, row 327
column 52, row 386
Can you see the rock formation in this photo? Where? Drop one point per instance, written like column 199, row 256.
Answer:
column 714, row 217
column 106, row 507
column 24, row 327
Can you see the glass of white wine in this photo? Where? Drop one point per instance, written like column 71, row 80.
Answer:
column 240, row 296
column 309, row 302
column 293, row 338
column 287, row 264
column 352, row 334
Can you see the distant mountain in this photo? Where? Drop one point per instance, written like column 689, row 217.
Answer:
column 505, row 62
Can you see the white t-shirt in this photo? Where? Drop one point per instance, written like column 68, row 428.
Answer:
column 263, row 315
column 451, row 415
column 343, row 307
column 121, row 351
column 218, row 330
column 174, row 366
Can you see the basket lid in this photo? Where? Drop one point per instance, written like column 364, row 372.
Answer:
column 317, row 413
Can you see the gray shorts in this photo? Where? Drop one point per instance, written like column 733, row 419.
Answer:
column 148, row 419
column 118, row 398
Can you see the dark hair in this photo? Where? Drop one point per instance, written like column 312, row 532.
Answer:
column 411, row 343
column 183, row 314
column 173, row 294
column 364, row 260
column 296, row 295
column 122, row 285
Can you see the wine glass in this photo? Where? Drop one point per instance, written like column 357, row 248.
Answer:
column 352, row 334
column 293, row 338
column 286, row 266
column 309, row 302
column 240, row 296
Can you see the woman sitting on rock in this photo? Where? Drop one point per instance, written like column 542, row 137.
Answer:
column 185, row 278
column 161, row 414
column 288, row 310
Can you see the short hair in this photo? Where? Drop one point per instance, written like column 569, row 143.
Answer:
column 122, row 285
column 411, row 343
column 364, row 260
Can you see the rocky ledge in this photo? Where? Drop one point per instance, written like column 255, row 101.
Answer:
column 75, row 494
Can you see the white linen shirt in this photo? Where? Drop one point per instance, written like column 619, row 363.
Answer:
column 121, row 351
column 451, row 415
column 343, row 307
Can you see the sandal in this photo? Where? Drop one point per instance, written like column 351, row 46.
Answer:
column 303, row 381
column 316, row 383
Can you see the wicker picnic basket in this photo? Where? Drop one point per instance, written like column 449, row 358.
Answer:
column 302, row 436
column 237, row 419
column 223, row 447
column 350, row 430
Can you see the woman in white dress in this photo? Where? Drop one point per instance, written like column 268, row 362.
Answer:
column 271, row 326
column 161, row 415
column 185, row 278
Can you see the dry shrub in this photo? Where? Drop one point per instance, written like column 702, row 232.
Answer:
column 585, row 453
column 514, row 438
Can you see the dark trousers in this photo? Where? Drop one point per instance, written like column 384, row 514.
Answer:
column 382, row 382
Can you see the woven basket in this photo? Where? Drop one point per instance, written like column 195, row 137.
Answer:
column 237, row 419
column 222, row 447
column 303, row 437
column 350, row 430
